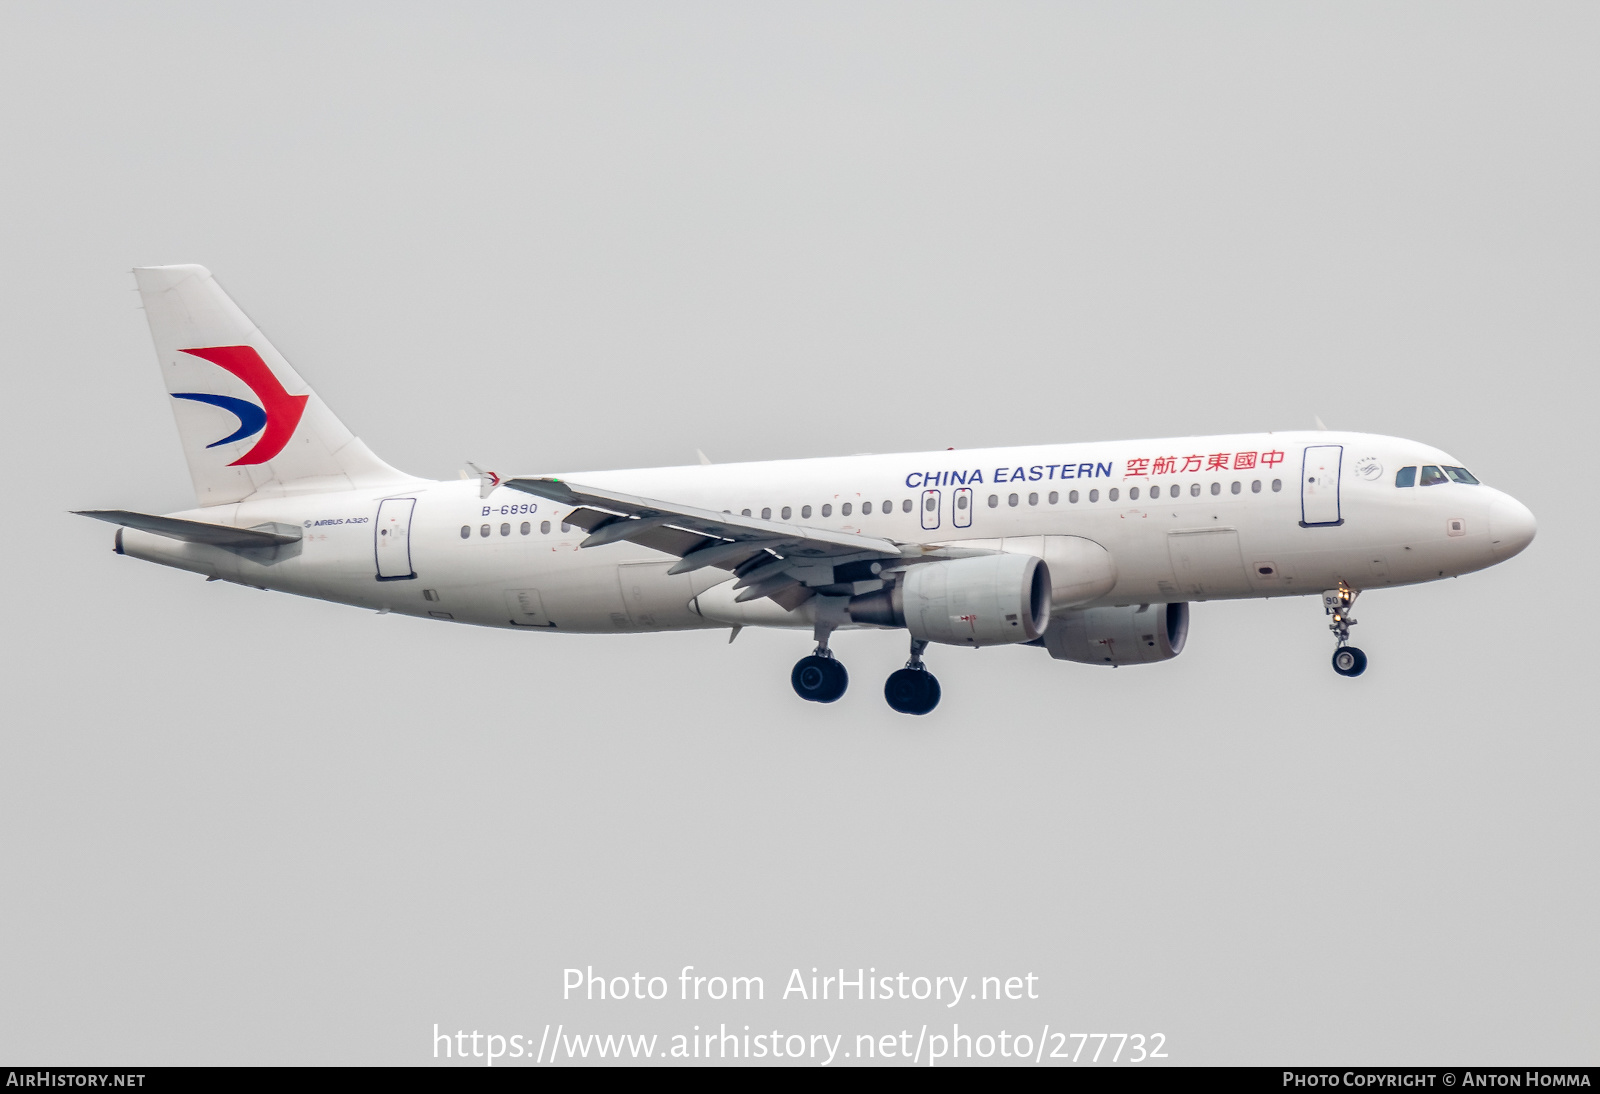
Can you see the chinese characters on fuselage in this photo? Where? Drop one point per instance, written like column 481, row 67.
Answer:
column 1216, row 461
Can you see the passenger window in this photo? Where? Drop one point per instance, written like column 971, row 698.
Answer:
column 1133, row 494
column 930, row 504
column 1012, row 500
column 744, row 512
column 1112, row 496
column 1094, row 495
column 1054, row 497
column 484, row 531
column 805, row 512
column 888, row 507
column 827, row 510
column 905, row 506
column 565, row 528
column 526, row 527
column 994, row 500
column 961, row 500
column 1216, row 488
column 866, row 508
column 505, row 529
column 466, row 531
column 1235, row 488
column 1255, row 486
column 1406, row 476
column 1072, row 498
column 1194, row 490
column 1033, row 499
column 1155, row 491
column 786, row 512
column 544, row 528
column 1277, row 484
column 766, row 514
column 1461, row 475
column 1432, row 476
column 844, row 510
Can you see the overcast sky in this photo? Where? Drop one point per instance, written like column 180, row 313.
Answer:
column 243, row 827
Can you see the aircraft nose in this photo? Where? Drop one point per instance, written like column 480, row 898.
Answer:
column 1511, row 526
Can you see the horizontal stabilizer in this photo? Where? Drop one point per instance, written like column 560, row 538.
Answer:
column 194, row 531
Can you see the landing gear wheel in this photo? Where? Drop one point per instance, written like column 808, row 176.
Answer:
column 1349, row 661
column 819, row 679
column 912, row 691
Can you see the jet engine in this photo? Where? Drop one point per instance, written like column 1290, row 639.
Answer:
column 990, row 600
column 1133, row 634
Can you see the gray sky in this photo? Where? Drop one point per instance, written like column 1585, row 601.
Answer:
column 244, row 827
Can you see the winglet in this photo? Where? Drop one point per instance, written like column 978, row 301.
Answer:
column 487, row 480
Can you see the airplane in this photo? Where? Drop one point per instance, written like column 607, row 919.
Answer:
column 1091, row 552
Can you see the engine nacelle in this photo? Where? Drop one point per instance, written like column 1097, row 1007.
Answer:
column 1135, row 634
column 991, row 600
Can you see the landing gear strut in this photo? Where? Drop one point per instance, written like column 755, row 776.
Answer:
column 913, row 689
column 820, row 678
column 1347, row 660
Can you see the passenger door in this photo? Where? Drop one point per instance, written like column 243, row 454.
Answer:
column 392, row 539
column 1319, row 486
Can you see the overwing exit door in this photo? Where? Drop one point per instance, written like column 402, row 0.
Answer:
column 930, row 509
column 961, row 507
column 392, row 539
column 1319, row 486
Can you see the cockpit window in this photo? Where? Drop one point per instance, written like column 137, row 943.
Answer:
column 1406, row 476
column 1461, row 474
column 1432, row 476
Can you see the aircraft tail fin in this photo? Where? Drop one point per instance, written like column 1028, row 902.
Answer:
column 250, row 426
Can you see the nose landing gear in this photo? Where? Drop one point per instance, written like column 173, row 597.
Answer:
column 913, row 689
column 1347, row 660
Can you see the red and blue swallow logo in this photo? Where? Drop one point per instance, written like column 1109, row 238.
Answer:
column 277, row 415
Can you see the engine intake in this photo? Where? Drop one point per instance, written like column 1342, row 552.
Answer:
column 991, row 600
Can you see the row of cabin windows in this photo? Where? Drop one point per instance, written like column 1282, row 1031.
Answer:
column 1434, row 476
column 1073, row 497
column 827, row 510
column 1115, row 494
column 484, row 530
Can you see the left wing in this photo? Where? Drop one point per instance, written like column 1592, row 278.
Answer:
column 788, row 562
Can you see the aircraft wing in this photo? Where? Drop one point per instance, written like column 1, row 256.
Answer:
column 788, row 562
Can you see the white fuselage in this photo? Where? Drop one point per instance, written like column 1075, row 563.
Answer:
column 1266, row 520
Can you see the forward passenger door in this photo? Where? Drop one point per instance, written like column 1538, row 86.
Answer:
column 1319, row 486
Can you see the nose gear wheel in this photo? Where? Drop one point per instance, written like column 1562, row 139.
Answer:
column 1347, row 660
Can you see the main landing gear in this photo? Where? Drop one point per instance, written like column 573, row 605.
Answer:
column 1347, row 660
column 913, row 689
column 820, row 678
